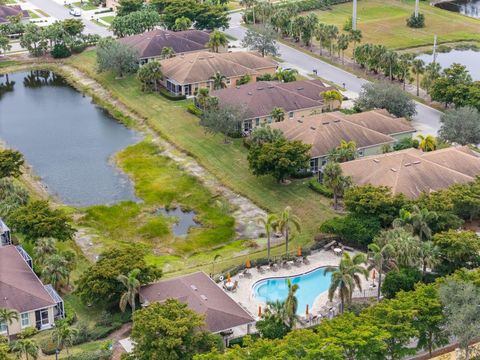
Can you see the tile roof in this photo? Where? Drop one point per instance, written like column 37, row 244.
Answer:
column 202, row 295
column 20, row 288
column 326, row 131
column 261, row 97
column 201, row 66
column 412, row 171
column 151, row 43
column 11, row 10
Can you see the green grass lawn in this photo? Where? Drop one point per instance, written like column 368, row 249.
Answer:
column 384, row 22
column 42, row 12
column 228, row 162
column 33, row 15
column 86, row 5
column 108, row 19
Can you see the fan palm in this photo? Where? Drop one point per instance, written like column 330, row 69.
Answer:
column 270, row 224
column 427, row 143
column 217, row 39
column 167, row 52
column 25, row 347
column 219, row 81
column 404, row 65
column 342, row 44
column 291, row 304
column 63, row 335
column 418, row 68
column 7, row 317
column 286, row 75
column 406, row 246
column 421, row 220
column 355, row 38
column 132, row 286
column 276, row 310
column 381, row 258
column 430, row 255
column 278, row 114
column 390, row 58
column 44, row 248
column 287, row 222
column 334, row 179
column 346, row 277
column 55, row 270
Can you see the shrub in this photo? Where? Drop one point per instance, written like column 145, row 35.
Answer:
column 355, row 230
column 91, row 355
column 416, row 22
column 265, row 77
column 320, row 188
column 192, row 109
column 100, row 332
column 26, row 333
column 61, row 51
column 245, row 79
column 403, row 279
column 48, row 347
column 165, row 93
column 70, row 315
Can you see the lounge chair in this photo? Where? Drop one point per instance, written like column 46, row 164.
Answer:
column 305, row 260
column 260, row 269
column 286, row 265
column 275, row 267
column 235, row 286
column 298, row 262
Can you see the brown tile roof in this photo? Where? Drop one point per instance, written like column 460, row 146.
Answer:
column 11, row 10
column 326, row 131
column 20, row 288
column 151, row 43
column 260, row 98
column 201, row 66
column 412, row 171
column 202, row 295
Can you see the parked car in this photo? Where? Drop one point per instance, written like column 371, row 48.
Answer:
column 76, row 11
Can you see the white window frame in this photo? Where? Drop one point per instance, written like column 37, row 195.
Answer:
column 22, row 320
column 290, row 115
column 3, row 327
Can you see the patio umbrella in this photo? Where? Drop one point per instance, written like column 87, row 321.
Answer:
column 248, row 264
column 228, row 277
column 259, row 310
column 373, row 274
column 306, row 311
column 299, row 251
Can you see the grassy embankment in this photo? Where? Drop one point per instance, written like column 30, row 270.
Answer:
column 384, row 22
column 227, row 162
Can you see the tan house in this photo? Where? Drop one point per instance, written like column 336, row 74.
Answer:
column 38, row 305
column 186, row 73
column 412, row 171
column 370, row 131
column 298, row 99
column 149, row 45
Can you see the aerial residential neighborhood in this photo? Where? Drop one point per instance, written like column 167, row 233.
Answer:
column 239, row 179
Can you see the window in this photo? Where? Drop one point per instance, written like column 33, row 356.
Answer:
column 228, row 81
column 3, row 327
column 290, row 114
column 25, row 319
column 360, row 153
column 269, row 119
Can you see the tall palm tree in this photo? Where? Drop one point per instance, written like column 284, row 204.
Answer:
column 355, row 38
column 287, row 222
column 427, row 143
column 270, row 224
column 342, row 44
column 278, row 114
column 291, row 304
column 63, row 335
column 334, row 179
column 219, row 81
column 381, row 257
column 430, row 255
column 44, row 247
column 132, row 286
column 405, row 65
column 331, row 34
column 55, row 270
column 346, row 277
column 418, row 68
column 390, row 59
column 321, row 36
column 25, row 348
column 217, row 39
column 7, row 317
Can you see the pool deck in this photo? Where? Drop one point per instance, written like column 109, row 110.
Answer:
column 244, row 295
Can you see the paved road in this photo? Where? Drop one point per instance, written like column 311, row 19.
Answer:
column 60, row 12
column 427, row 120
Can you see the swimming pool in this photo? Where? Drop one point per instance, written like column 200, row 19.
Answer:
column 310, row 285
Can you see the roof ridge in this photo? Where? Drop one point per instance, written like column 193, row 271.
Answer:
column 296, row 93
column 445, row 167
column 29, row 294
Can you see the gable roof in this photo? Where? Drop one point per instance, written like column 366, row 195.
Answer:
column 20, row 288
column 11, row 10
column 261, row 97
column 326, row 131
column 202, row 295
column 201, row 66
column 412, row 171
column 151, row 43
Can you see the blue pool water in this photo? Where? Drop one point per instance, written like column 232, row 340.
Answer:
column 310, row 285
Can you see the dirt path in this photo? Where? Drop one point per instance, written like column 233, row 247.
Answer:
column 245, row 211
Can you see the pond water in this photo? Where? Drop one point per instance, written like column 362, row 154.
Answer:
column 184, row 220
column 466, row 7
column 469, row 58
column 66, row 138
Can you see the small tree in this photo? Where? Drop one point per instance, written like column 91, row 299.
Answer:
column 63, row 335
column 4, row 44
column 223, row 120
column 183, row 23
column 117, row 57
column 346, row 151
column 278, row 114
column 331, row 96
column 217, row 39
column 427, row 143
column 262, row 41
column 342, row 44
column 11, row 162
column 273, row 324
column 286, row 75
column 416, row 22
column 25, row 347
column 7, row 317
column 132, row 288
column 150, row 75
column 219, row 81
column 460, row 126
column 167, row 52
column 280, row 159
column 403, row 279
column 128, row 6
column 334, row 179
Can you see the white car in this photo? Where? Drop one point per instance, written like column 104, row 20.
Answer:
column 76, row 11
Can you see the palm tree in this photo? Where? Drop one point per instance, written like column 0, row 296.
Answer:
column 346, row 151
column 405, row 64
column 6, row 317
column 167, row 52
column 342, row 45
column 217, row 39
column 25, row 347
column 44, row 248
column 427, row 143
column 430, row 255
column 215, row 258
column 55, row 270
column 63, row 335
column 286, row 75
column 278, row 114
column 321, row 36
column 291, row 304
column 331, row 35
column 286, row 222
column 381, row 257
column 132, row 286
column 346, row 277
column 334, row 179
column 418, row 68
column 355, row 38
column 390, row 59
column 202, row 97
column 406, row 246
column 277, row 311
column 421, row 220
column 270, row 224
column 219, row 81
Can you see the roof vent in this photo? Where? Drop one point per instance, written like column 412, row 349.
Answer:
column 336, row 120
column 393, row 169
column 271, row 86
column 204, row 298
column 376, row 160
column 325, row 122
column 408, row 164
column 194, row 288
column 300, row 88
column 416, row 162
column 238, row 87
column 260, row 88
column 249, row 93
column 300, row 121
column 313, row 128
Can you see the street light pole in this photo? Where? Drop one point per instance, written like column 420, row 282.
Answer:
column 354, row 15
column 417, row 4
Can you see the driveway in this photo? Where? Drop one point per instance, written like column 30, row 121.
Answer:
column 427, row 120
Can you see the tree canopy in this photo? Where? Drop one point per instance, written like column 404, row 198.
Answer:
column 460, row 126
column 117, row 57
column 11, row 162
column 262, row 41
